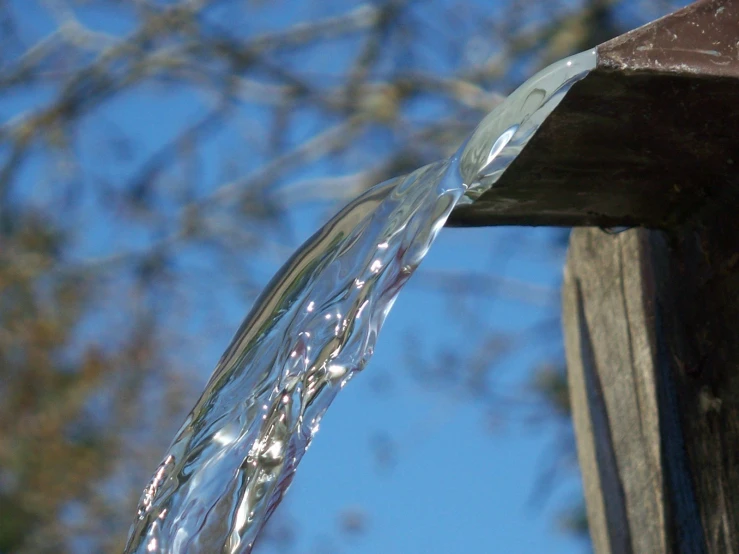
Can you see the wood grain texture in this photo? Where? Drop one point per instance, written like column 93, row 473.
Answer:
column 657, row 429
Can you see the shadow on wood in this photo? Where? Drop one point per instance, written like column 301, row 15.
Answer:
column 653, row 358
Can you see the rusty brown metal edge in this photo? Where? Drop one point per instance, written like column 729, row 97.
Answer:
column 646, row 139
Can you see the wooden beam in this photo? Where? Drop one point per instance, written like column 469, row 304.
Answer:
column 647, row 138
column 653, row 357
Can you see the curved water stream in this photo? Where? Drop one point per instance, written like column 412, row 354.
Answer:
column 311, row 330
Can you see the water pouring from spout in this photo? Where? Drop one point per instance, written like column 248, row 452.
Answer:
column 312, row 329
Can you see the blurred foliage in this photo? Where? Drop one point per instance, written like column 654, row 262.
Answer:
column 114, row 218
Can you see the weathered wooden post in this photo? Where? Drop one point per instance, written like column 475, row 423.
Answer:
column 650, row 138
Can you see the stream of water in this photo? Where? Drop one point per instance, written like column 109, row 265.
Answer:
column 312, row 329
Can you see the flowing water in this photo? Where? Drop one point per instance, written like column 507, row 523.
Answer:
column 312, row 329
